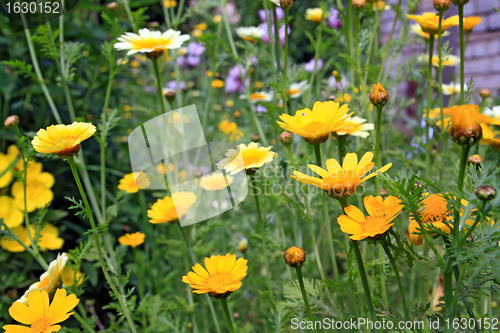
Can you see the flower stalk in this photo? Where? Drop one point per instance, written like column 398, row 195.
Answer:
column 462, row 52
column 223, row 302
column 429, row 105
column 304, row 294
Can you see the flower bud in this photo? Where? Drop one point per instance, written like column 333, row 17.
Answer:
column 378, row 96
column 459, row 2
column 465, row 128
column 286, row 138
column 294, row 256
column 486, row 192
column 286, row 4
column 170, row 95
column 154, row 55
column 255, row 138
column 358, row 5
column 442, row 5
column 475, row 160
column 337, row 76
column 112, row 6
column 485, row 93
column 153, row 24
column 243, row 244
column 11, row 121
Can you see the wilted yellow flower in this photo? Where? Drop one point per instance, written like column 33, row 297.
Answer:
column 164, row 210
column 62, row 140
column 215, row 181
column 222, row 276
column 130, row 184
column 246, row 158
column 380, row 215
column 429, row 22
column 132, row 240
column 48, row 280
column 339, row 181
column 315, row 126
column 11, row 215
column 41, row 316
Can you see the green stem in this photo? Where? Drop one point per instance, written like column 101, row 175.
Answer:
column 441, row 100
column 387, row 46
column 462, row 52
column 159, row 88
column 316, row 57
column 102, row 143
column 129, row 15
column 377, row 146
column 460, row 185
column 276, row 38
column 304, row 294
column 402, row 292
column 428, row 110
column 223, row 302
column 341, row 140
column 120, row 297
column 326, row 218
column 285, row 64
column 364, row 279
column 82, row 322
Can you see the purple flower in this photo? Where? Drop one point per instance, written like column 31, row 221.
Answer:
column 259, row 109
column 196, row 49
column 173, row 85
column 281, row 33
column 280, row 14
column 233, row 81
column 181, row 61
column 334, row 20
column 309, row 67
column 193, row 60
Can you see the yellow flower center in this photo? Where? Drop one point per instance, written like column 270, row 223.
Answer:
column 313, row 127
column 218, row 281
column 435, row 209
column 151, row 43
column 257, row 96
column 292, row 91
column 249, row 39
column 40, row 325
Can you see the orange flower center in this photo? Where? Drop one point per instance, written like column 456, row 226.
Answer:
column 218, row 281
column 257, row 96
column 435, row 209
column 292, row 91
column 40, row 325
column 313, row 127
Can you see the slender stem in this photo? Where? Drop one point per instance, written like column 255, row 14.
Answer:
column 326, row 218
column 462, row 52
column 119, row 296
column 387, row 46
column 377, row 146
column 316, row 57
column 84, row 323
column 341, row 140
column 364, row 279
column 102, row 143
column 285, row 64
column 159, row 88
column 223, row 302
column 402, row 292
column 276, row 38
column 129, row 15
column 460, row 185
column 441, row 100
column 304, row 294
column 194, row 261
column 428, row 110
column 473, row 227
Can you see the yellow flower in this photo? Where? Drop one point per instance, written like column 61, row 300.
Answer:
column 470, row 22
column 129, row 183
column 181, row 174
column 222, row 276
column 465, row 127
column 147, row 41
column 315, row 126
column 170, row 3
column 246, row 158
column 132, row 240
column 69, row 277
column 417, row 29
column 380, row 215
column 449, row 60
column 215, row 181
column 11, row 215
column 48, row 280
column 164, row 210
column 49, row 238
column 38, row 188
column 339, row 181
column 5, row 161
column 355, row 126
column 12, row 245
column 62, row 140
column 41, row 316
column 201, row 26
column 344, row 98
column 429, row 22
column 314, row 14
column 217, row 84
column 490, row 137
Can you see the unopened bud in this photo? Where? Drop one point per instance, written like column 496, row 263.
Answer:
column 358, row 5
column 442, row 5
column 475, row 160
column 11, row 121
column 378, row 96
column 294, row 256
column 112, row 6
column 255, row 138
column 286, row 138
column 170, row 95
column 485, row 93
column 486, row 192
column 286, row 4
column 459, row 2
column 465, row 128
column 243, row 244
